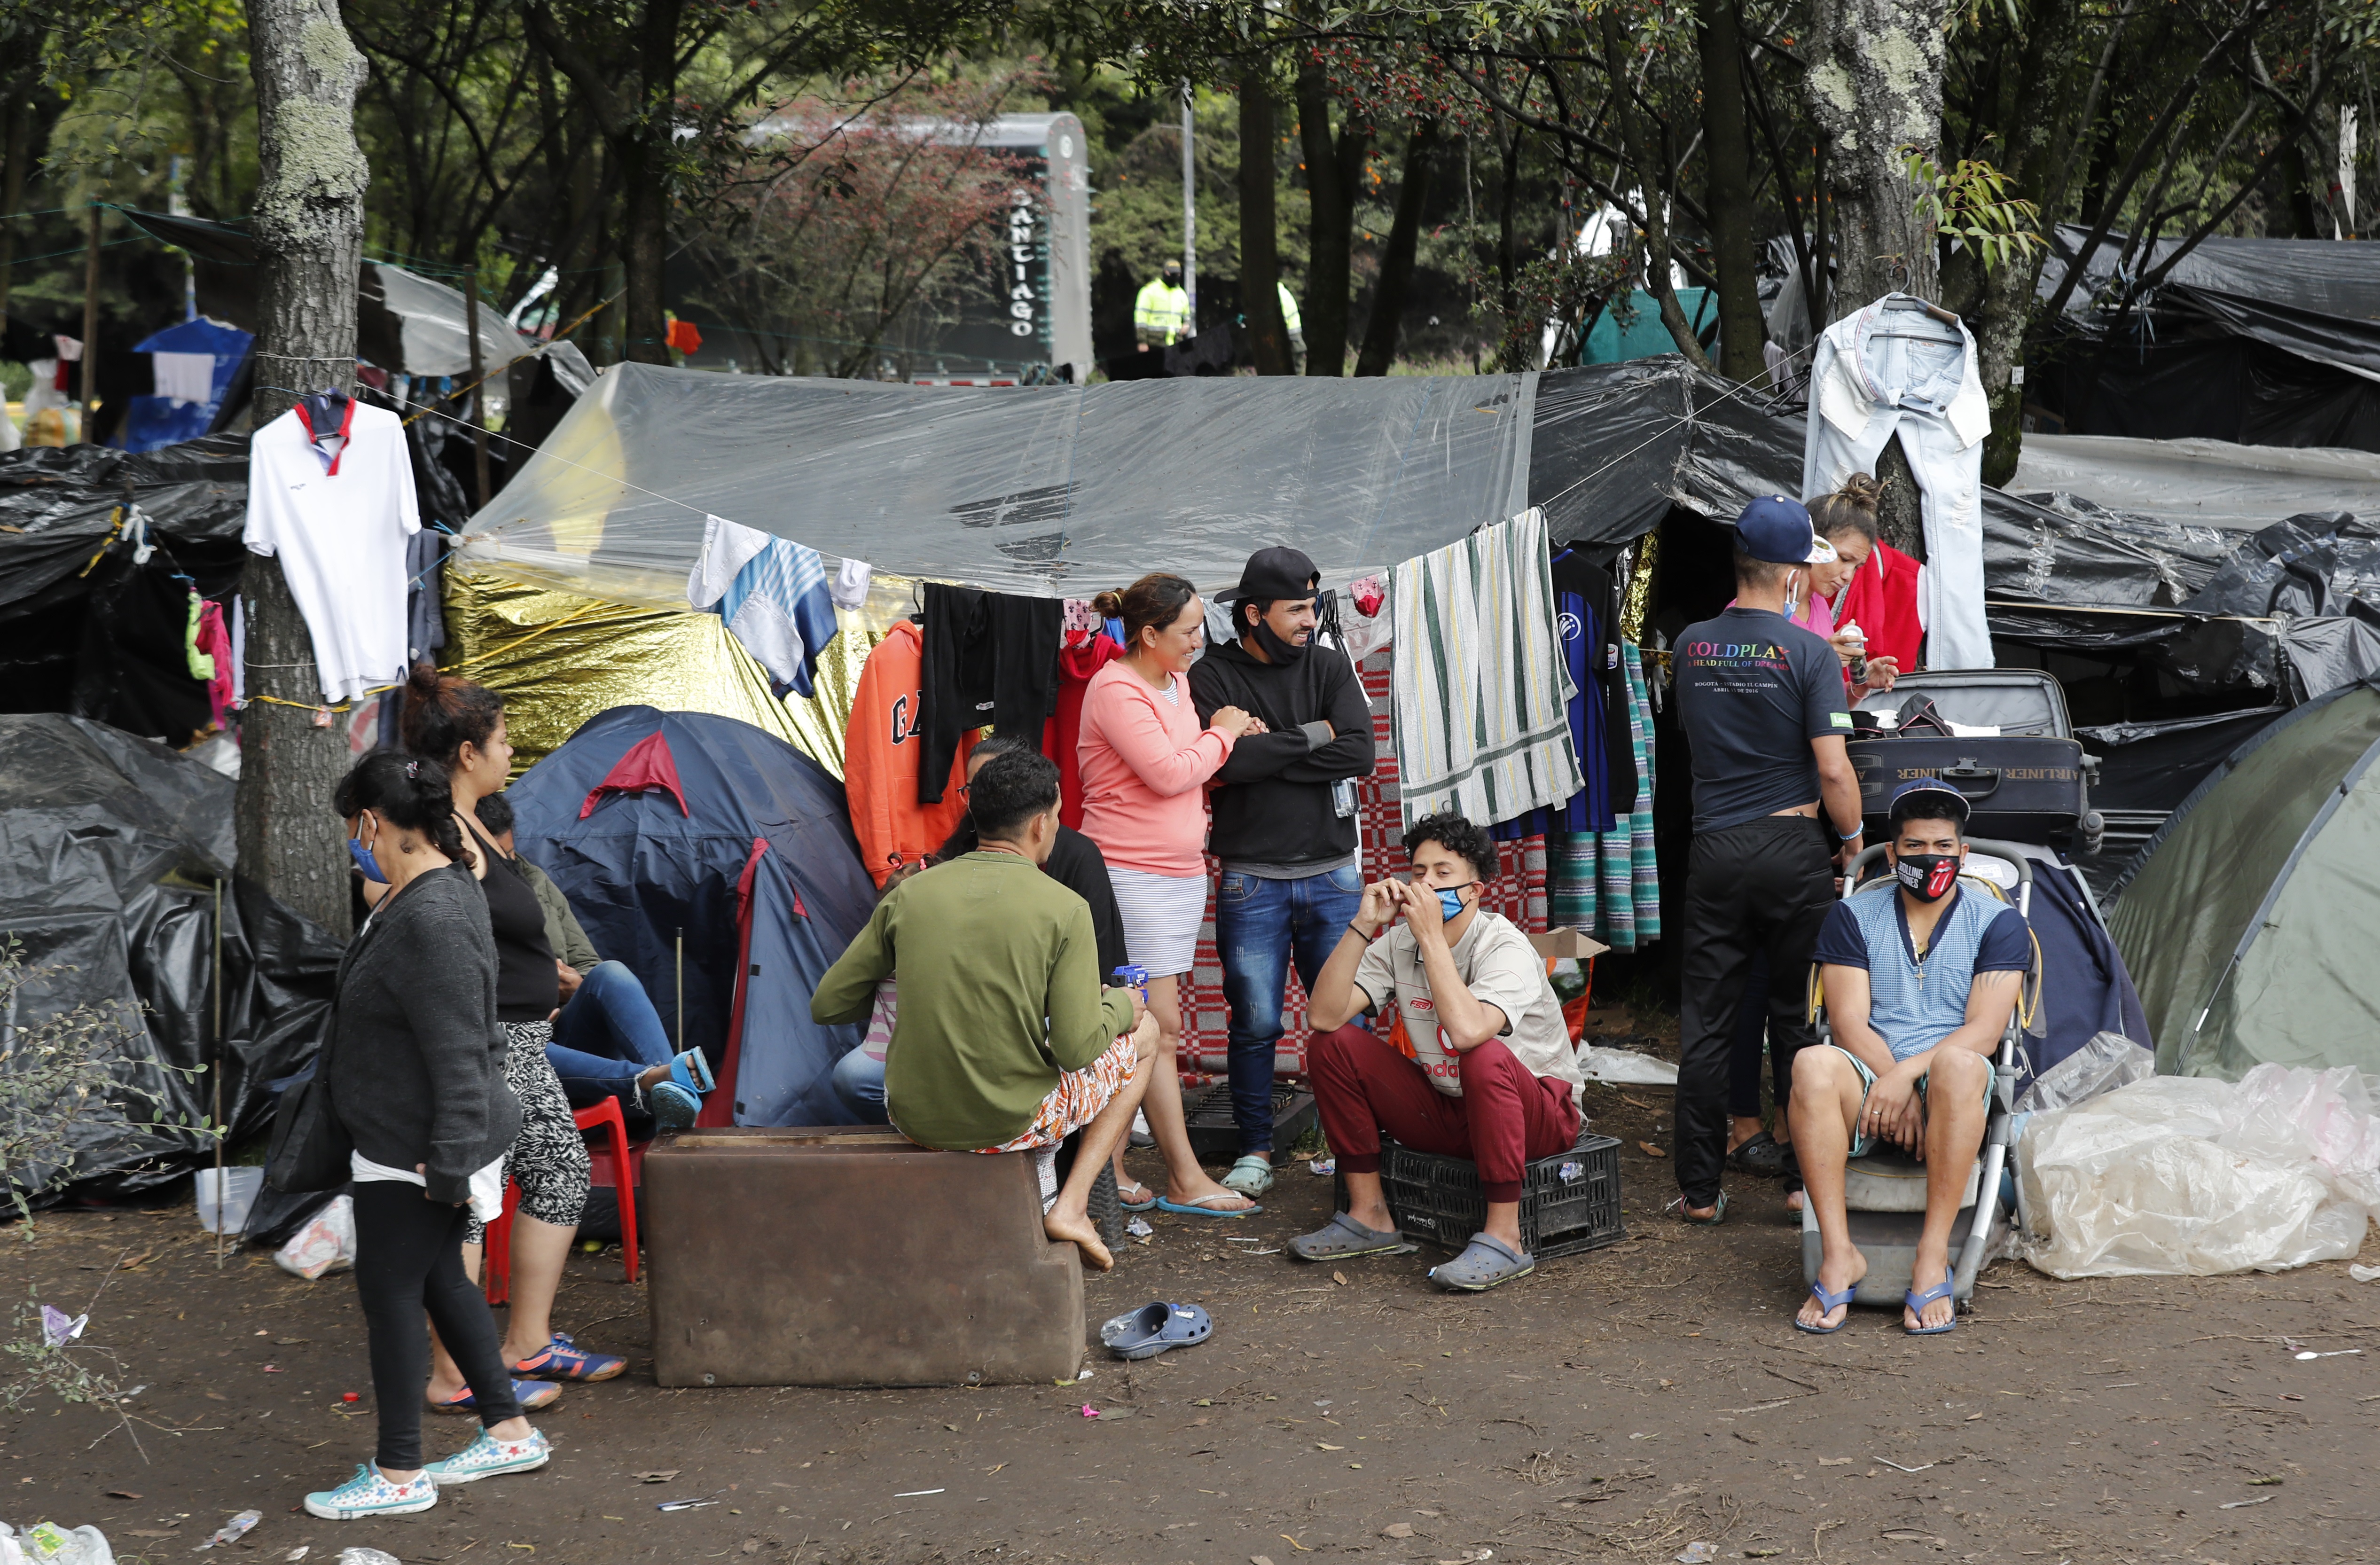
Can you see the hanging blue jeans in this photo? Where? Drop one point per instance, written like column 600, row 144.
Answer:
column 607, row 1037
column 1260, row 928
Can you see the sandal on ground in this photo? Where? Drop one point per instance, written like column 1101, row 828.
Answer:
column 531, row 1395
column 1152, row 1328
column 1136, row 1197
column 564, row 1360
column 1760, row 1156
column 1343, row 1237
column 1200, row 1207
column 1827, row 1304
column 1485, row 1263
column 1252, row 1175
column 1677, row 1209
column 1916, row 1302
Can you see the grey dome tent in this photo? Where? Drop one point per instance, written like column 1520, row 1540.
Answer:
column 2249, row 921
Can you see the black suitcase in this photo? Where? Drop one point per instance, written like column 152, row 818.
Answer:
column 2030, row 782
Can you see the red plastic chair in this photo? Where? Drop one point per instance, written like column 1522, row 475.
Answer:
column 617, row 1164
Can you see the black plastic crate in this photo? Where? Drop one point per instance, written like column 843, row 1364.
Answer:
column 1215, row 1136
column 1570, row 1202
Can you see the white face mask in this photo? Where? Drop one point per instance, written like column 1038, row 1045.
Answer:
column 1792, row 596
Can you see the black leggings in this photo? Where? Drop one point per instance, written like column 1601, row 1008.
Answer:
column 408, row 1258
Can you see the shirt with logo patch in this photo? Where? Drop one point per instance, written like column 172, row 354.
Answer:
column 1754, row 690
column 1501, row 968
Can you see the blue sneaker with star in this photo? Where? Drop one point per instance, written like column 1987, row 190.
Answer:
column 487, row 1456
column 370, row 1494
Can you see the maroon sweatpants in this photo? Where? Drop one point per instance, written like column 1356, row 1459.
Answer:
column 1505, row 1116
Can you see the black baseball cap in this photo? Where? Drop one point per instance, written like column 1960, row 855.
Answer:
column 1273, row 574
column 1940, row 799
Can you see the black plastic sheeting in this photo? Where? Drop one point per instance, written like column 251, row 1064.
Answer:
column 58, row 505
column 110, row 850
column 2322, row 276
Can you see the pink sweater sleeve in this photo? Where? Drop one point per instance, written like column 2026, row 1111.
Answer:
column 1132, row 726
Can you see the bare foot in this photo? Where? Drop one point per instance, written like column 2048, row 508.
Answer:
column 1834, row 1276
column 1204, row 1192
column 1076, row 1228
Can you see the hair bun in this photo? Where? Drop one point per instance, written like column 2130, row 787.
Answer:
column 1109, row 604
column 422, row 678
column 1864, row 491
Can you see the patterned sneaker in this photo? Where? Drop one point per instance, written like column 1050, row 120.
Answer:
column 369, row 1494
column 487, row 1456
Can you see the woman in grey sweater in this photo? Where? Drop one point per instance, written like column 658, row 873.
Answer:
column 415, row 1060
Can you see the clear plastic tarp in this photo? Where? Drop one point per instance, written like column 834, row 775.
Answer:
column 1046, row 490
column 2201, row 482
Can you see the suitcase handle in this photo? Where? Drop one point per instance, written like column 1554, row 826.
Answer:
column 1967, row 773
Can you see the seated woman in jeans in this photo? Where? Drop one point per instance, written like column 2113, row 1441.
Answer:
column 608, row 1040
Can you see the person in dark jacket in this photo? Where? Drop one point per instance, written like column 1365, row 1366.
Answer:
column 416, row 1063
column 1284, row 822
column 1075, row 863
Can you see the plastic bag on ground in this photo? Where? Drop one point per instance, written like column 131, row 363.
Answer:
column 2186, row 1176
column 45, row 1543
column 2107, row 1061
column 1626, row 1067
column 325, row 1243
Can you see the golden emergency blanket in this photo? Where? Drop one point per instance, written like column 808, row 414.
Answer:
column 560, row 659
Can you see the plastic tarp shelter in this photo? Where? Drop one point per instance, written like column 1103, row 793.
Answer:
column 2199, row 482
column 2318, row 277
column 110, row 851
column 2249, row 921
column 1046, row 490
column 750, row 856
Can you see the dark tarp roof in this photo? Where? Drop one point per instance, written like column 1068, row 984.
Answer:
column 109, row 846
column 2318, row 277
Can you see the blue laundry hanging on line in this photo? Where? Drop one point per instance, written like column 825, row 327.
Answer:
column 773, row 593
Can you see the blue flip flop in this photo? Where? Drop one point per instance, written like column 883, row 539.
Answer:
column 692, row 1072
column 1200, row 1209
column 1827, row 1304
column 1154, row 1327
column 1916, row 1304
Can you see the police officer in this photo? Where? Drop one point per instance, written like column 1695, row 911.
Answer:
column 1775, row 806
column 1161, row 314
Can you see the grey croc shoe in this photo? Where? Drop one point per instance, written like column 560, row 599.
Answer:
column 1252, row 1175
column 1341, row 1237
column 1483, row 1264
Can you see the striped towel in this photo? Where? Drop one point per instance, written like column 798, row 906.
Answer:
column 1480, row 694
column 1645, row 867
column 772, row 592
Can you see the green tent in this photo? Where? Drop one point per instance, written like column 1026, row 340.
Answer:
column 2252, row 920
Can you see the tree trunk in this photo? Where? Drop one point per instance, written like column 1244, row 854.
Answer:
column 2295, row 190
column 1332, row 166
column 1874, row 86
column 1518, row 351
column 1898, row 518
column 1652, row 188
column 1260, row 237
column 1379, row 348
column 1726, row 149
column 308, row 227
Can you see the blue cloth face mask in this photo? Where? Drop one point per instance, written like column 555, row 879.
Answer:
column 1450, row 899
column 365, row 862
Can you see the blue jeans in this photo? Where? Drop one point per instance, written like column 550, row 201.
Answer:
column 1260, row 928
column 859, row 1082
column 607, row 1037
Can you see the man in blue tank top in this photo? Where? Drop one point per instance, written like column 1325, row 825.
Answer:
column 1920, row 976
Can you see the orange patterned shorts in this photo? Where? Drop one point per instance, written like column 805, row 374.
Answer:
column 1076, row 1102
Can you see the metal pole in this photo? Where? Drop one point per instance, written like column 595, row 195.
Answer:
column 681, row 989
column 217, row 1115
column 1189, row 208
column 91, row 330
column 479, row 390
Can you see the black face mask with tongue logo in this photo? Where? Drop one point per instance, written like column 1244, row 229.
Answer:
column 1928, row 876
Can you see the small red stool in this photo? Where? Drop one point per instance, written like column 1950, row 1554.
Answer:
column 616, row 1164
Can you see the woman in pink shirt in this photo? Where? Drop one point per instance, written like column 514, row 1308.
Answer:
column 1145, row 760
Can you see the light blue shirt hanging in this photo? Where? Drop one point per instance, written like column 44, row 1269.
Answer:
column 773, row 593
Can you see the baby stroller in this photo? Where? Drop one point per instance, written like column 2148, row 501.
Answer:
column 1884, row 1192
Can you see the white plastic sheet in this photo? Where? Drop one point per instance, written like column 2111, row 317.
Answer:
column 2187, row 1176
column 326, row 1243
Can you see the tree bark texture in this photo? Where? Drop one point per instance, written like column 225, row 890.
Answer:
column 1874, row 86
column 1259, row 236
column 309, row 230
column 1380, row 349
column 1333, row 164
column 1727, row 151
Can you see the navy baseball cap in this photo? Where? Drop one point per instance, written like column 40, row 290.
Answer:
column 1936, row 794
column 1777, row 529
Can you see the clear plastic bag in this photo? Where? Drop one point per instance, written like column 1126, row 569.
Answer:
column 326, row 1243
column 2107, row 1061
column 2185, row 1176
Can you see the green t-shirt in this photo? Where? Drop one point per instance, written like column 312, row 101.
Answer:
column 999, row 992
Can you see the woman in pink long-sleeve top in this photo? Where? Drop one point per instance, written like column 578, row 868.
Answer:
column 1146, row 760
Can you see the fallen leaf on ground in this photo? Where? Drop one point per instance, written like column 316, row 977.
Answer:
column 664, row 1476
column 1834, row 1462
column 1340, row 1277
column 1650, row 1150
column 1321, row 1445
column 1397, row 1530
column 127, row 1494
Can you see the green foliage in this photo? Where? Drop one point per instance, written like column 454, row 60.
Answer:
column 1970, row 203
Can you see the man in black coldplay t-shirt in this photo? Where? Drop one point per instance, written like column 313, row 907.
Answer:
column 1776, row 804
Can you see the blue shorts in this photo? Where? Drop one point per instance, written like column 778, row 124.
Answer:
column 1862, row 1143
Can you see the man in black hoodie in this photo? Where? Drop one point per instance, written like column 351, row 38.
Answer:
column 1290, row 883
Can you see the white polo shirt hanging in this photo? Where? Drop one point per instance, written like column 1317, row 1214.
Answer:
column 337, row 506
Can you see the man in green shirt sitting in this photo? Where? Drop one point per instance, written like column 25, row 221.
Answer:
column 1005, row 1041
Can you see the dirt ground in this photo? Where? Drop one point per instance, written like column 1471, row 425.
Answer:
column 1617, row 1406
